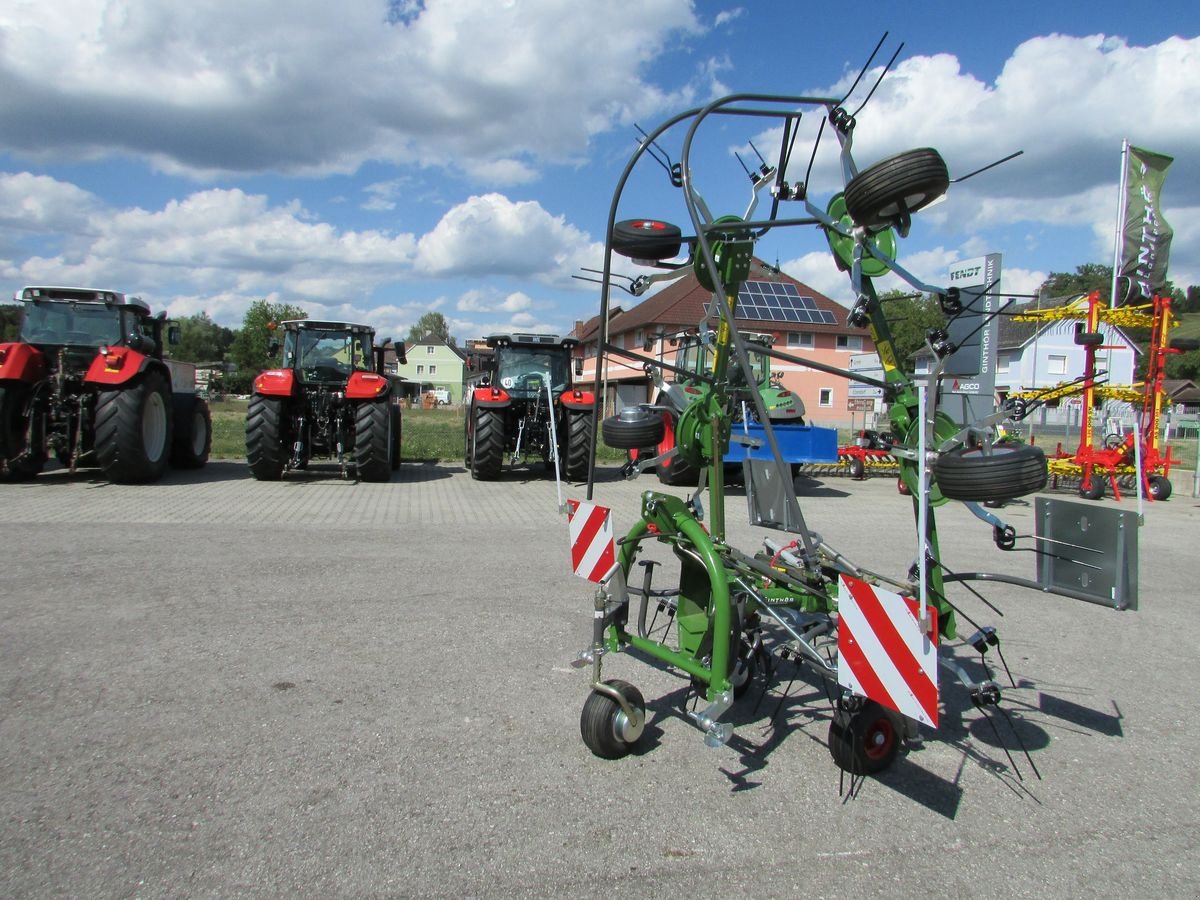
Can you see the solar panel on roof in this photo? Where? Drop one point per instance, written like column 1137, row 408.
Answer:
column 775, row 301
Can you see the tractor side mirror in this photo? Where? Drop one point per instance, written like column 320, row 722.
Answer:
column 174, row 335
column 272, row 347
column 578, row 366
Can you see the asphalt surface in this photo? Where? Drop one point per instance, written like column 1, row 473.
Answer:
column 213, row 686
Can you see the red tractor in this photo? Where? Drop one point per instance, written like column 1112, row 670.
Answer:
column 330, row 399
column 87, row 383
column 522, row 404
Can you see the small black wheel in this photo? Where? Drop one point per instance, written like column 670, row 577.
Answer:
column 1094, row 490
column 1160, row 487
column 1007, row 472
column 889, row 192
column 858, row 469
column 864, row 742
column 633, row 427
column 605, row 727
column 1089, row 338
column 1113, row 441
column 647, row 239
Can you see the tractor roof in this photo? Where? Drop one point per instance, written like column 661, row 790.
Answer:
column 82, row 295
column 530, row 340
column 318, row 325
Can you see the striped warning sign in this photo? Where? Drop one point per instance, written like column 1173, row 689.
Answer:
column 883, row 654
column 593, row 553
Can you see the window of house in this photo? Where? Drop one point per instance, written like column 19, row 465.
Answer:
column 420, row 370
column 433, row 370
column 429, row 350
column 851, row 342
column 802, row 339
column 825, row 398
column 1056, row 365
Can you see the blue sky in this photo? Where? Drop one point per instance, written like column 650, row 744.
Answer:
column 373, row 161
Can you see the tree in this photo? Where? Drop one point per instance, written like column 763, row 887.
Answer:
column 202, row 340
column 10, row 321
column 249, row 348
column 1096, row 277
column 431, row 323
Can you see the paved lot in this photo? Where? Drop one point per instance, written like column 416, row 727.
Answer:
column 213, row 686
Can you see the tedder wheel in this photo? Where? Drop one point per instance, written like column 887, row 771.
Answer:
column 1095, row 491
column 397, row 434
column 632, row 427
column 864, row 742
column 133, row 431
column 14, row 434
column 646, row 239
column 373, row 440
column 889, row 192
column 266, row 446
column 193, row 438
column 1008, row 472
column 578, row 435
column 606, row 729
column 1160, row 487
column 487, row 450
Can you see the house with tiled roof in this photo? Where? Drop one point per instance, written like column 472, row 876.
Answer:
column 433, row 365
column 803, row 322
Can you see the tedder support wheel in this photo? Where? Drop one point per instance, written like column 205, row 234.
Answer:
column 193, row 438
column 397, row 434
column 1160, row 487
column 864, row 742
column 647, row 239
column 606, row 728
column 133, row 430
column 266, row 447
column 14, row 432
column 487, row 450
column 373, row 440
column 888, row 193
column 1008, row 472
column 632, row 428
column 858, row 469
column 578, row 437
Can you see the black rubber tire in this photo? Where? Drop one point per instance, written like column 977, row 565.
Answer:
column 1008, row 472
column 1160, row 487
column 864, row 742
column 602, row 721
column 648, row 239
column 1095, row 491
column 266, row 437
column 193, row 438
column 858, row 469
column 886, row 194
column 397, row 434
column 1089, row 338
column 633, row 427
column 487, row 452
column 14, row 427
column 133, row 431
column 577, row 430
column 373, row 440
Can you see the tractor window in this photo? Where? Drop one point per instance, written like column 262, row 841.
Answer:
column 331, row 355
column 85, row 324
column 523, row 370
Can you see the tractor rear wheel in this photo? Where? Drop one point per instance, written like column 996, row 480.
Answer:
column 133, row 431
column 676, row 470
column 193, row 438
column 266, row 449
column 578, row 439
column 373, row 440
column 487, row 444
column 397, row 433
column 14, row 435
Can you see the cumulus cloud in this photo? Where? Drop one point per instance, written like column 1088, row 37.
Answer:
column 311, row 86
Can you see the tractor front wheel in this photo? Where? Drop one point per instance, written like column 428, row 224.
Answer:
column 266, row 447
column 487, row 444
column 373, row 440
column 193, row 438
column 133, row 431
column 14, row 435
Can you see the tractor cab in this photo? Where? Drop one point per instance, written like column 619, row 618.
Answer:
column 86, row 319
column 327, row 352
column 523, row 364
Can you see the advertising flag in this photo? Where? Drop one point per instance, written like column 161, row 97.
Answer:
column 1146, row 236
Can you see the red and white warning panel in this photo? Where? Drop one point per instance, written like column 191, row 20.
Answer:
column 883, row 653
column 593, row 551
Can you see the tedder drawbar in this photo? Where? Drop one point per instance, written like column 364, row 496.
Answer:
column 872, row 639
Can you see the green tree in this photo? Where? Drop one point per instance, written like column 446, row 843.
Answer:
column 910, row 318
column 249, row 348
column 1095, row 277
column 10, row 321
column 431, row 323
column 202, row 340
